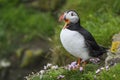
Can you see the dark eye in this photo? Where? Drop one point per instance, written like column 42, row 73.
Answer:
column 72, row 14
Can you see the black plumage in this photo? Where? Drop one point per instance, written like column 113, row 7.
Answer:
column 94, row 49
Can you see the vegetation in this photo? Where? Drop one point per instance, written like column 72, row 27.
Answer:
column 23, row 21
column 19, row 25
column 48, row 5
column 88, row 74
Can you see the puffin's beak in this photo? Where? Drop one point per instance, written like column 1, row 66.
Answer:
column 61, row 18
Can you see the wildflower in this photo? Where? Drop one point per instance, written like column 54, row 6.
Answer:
column 102, row 68
column 97, row 59
column 42, row 72
column 81, row 68
column 60, row 77
column 98, row 70
column 54, row 67
column 107, row 67
column 49, row 65
column 94, row 60
column 45, row 67
column 73, row 63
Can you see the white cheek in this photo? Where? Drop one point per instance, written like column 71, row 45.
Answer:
column 74, row 19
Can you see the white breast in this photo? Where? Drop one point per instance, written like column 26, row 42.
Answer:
column 74, row 43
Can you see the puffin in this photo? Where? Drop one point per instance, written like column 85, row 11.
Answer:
column 78, row 41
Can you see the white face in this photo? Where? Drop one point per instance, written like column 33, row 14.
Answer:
column 71, row 16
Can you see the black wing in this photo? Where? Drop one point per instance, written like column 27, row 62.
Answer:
column 94, row 48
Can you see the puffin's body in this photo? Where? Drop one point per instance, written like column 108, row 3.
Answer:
column 74, row 43
column 76, row 40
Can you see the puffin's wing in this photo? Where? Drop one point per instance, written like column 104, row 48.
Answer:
column 89, row 39
column 94, row 48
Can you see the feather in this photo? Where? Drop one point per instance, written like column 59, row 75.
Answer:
column 94, row 48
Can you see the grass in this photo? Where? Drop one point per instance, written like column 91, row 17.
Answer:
column 88, row 74
column 103, row 27
column 112, row 74
column 52, row 74
column 19, row 25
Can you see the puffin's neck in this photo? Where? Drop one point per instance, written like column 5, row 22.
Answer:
column 74, row 26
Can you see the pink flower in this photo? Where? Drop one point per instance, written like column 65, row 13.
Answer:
column 94, row 60
column 81, row 68
column 73, row 63
column 107, row 67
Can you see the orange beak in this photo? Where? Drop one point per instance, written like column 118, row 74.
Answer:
column 61, row 18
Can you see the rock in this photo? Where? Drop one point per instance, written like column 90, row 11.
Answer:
column 28, row 56
column 113, row 55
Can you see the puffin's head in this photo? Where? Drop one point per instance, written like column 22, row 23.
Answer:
column 69, row 17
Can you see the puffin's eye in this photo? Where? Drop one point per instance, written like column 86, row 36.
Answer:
column 72, row 14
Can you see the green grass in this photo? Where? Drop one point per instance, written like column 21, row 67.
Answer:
column 84, row 7
column 53, row 74
column 103, row 27
column 19, row 25
column 87, row 74
column 112, row 74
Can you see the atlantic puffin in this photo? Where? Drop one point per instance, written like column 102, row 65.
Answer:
column 78, row 41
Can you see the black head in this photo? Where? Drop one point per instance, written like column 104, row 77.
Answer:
column 70, row 17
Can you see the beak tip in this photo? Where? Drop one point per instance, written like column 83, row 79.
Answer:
column 61, row 18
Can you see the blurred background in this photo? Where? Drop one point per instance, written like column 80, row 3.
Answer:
column 29, row 32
